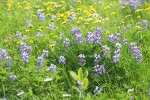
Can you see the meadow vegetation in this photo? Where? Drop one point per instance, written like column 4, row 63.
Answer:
column 74, row 50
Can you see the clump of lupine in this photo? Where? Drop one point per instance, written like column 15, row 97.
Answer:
column 116, row 55
column 98, row 89
column 40, row 59
column 143, row 24
column 52, row 68
column 113, row 38
column 77, row 34
column 97, row 58
column 40, row 15
column 134, row 4
column 62, row 60
column 3, row 54
column 67, row 43
column 135, row 50
column 25, row 52
column 99, row 69
column 81, row 59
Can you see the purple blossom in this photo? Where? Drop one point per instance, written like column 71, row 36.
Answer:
column 99, row 69
column 113, row 38
column 45, row 53
column 90, row 38
column 40, row 15
column 25, row 52
column 98, row 89
column 28, row 22
column 51, row 26
column 62, row 60
column 66, row 43
column 8, row 61
column 81, row 59
column 98, row 35
column 52, row 68
column 12, row 77
column 38, row 34
column 97, row 58
column 105, row 49
column 77, row 34
column 40, row 62
column 124, row 40
column 135, row 50
column 135, row 3
column 116, row 56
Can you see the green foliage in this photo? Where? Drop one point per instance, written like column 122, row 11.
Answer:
column 119, row 77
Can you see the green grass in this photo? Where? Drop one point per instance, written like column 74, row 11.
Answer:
column 119, row 77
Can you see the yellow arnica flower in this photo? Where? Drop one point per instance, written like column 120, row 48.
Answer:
column 138, row 17
column 79, row 1
column 138, row 27
column 37, row 7
column 138, row 10
column 107, row 7
column 113, row 13
column 19, row 42
column 107, row 32
column 27, row 30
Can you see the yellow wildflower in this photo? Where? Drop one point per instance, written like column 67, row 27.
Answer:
column 27, row 30
column 138, row 27
column 107, row 7
column 138, row 10
column 113, row 13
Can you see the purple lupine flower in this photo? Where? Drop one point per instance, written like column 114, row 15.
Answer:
column 135, row 50
column 81, row 59
column 77, row 34
column 134, row 4
column 80, row 85
column 97, row 58
column 72, row 17
column 113, row 38
column 98, row 89
column 105, row 49
column 62, row 60
column 3, row 53
column 25, row 57
column 124, row 40
column 28, row 22
column 124, row 3
column 45, row 53
column 18, row 35
column 99, row 70
column 25, row 52
column 51, row 26
column 8, row 61
column 144, row 24
column 116, row 56
column 40, row 62
column 98, row 35
column 52, row 68
column 53, row 17
column 66, row 43
column 79, row 38
column 90, row 38
column 40, row 15
column 12, row 77
column 38, row 34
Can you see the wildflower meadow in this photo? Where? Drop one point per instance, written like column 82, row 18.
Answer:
column 74, row 50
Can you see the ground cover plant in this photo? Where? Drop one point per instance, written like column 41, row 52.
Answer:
column 74, row 50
